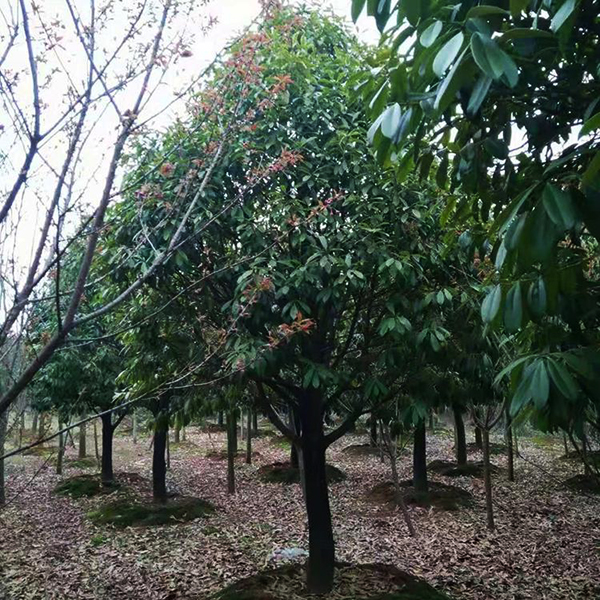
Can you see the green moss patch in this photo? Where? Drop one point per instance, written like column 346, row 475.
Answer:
column 451, row 469
column 82, row 486
column 439, row 495
column 588, row 484
column 280, row 441
column 128, row 513
column 361, row 450
column 359, row 582
column 82, row 463
column 494, row 448
column 283, row 472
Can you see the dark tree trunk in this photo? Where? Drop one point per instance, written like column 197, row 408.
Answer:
column 321, row 559
column 373, row 431
column 296, row 426
column 220, row 418
column 487, row 479
column 159, row 465
column 510, row 447
column 177, row 436
column 3, row 425
column 565, row 444
column 19, row 439
column 431, row 423
column 459, row 434
column 82, row 439
column 255, row 422
column 231, row 451
column 420, row 459
column 34, row 422
column 478, row 439
column 134, row 426
column 106, row 464
column 294, row 461
column 249, row 439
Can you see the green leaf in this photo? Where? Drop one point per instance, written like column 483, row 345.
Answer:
column 525, row 32
column 593, row 169
column 449, row 87
column 562, row 14
column 562, row 379
column 382, row 14
column 536, row 297
column 513, row 235
column 431, row 34
column 559, row 206
column 511, row 367
column 441, row 175
column 447, row 53
column 413, row 9
column 391, row 120
column 485, row 10
column 491, row 304
column 513, row 308
column 480, row 56
column 591, row 124
column 480, row 91
column 517, row 7
column 374, row 127
column 540, row 385
column 357, row 8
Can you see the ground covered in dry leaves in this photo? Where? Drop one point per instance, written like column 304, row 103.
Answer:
column 546, row 546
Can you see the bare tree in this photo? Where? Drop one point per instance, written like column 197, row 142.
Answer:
column 66, row 138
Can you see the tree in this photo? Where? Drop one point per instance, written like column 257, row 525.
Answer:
column 488, row 100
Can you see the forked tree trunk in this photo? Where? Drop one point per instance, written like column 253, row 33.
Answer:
column 487, row 479
column 420, row 459
column 249, row 439
column 478, row 439
column 3, row 425
column 231, row 451
column 106, row 464
column 321, row 549
column 510, row 447
column 459, row 435
column 82, row 438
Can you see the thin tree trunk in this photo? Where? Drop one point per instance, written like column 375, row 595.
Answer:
column 134, row 418
column 231, row 451
column 82, row 439
column 255, row 423
column 19, row 436
column 459, row 436
column 41, row 426
column 177, row 436
column 61, row 450
column 487, row 479
column 34, row 422
column 420, row 459
column 393, row 453
column 373, row 431
column 478, row 438
column 183, row 438
column 235, row 433
column 249, row 439
column 431, row 423
column 96, row 449
column 106, row 464
column 566, row 444
column 584, row 452
column 510, row 447
column 220, row 418
column 3, row 424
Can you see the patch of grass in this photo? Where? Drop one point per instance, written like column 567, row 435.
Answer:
column 439, row 496
column 360, row 582
column 494, row 448
column 127, row 513
column 283, row 472
column 451, row 469
column 98, row 540
column 280, row 442
column 361, row 450
column 40, row 451
column 82, row 486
